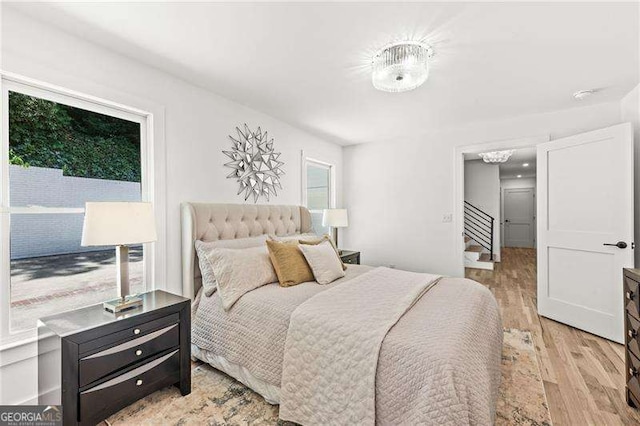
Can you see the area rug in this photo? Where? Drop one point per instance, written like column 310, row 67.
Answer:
column 521, row 400
column 217, row 399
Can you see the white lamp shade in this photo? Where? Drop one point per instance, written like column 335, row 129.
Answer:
column 118, row 223
column 335, row 218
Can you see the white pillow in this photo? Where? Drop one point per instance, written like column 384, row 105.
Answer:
column 324, row 262
column 295, row 237
column 238, row 271
column 204, row 248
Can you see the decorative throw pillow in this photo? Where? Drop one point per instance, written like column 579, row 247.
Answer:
column 204, row 248
column 325, row 237
column 238, row 271
column 324, row 262
column 289, row 263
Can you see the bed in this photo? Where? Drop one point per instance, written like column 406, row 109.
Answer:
column 434, row 360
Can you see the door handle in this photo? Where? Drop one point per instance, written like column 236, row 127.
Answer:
column 619, row 244
column 507, row 221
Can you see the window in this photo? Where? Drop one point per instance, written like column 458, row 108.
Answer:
column 318, row 191
column 60, row 151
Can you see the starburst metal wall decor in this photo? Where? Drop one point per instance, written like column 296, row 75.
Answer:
column 255, row 164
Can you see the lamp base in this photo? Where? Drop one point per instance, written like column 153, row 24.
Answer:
column 122, row 304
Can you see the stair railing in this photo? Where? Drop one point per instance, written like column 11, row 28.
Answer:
column 478, row 225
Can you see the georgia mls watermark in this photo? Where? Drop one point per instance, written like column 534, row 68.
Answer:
column 30, row 415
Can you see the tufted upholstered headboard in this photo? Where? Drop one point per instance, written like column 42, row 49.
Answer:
column 210, row 222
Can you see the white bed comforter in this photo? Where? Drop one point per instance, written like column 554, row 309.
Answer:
column 439, row 364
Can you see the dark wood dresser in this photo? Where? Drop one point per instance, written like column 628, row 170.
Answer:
column 632, row 335
column 105, row 361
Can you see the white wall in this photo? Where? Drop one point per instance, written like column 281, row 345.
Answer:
column 630, row 111
column 482, row 190
column 529, row 182
column 397, row 192
column 191, row 127
column 518, row 183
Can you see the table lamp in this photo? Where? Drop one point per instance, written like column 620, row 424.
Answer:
column 335, row 218
column 119, row 224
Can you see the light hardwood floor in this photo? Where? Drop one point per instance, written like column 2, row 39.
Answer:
column 583, row 374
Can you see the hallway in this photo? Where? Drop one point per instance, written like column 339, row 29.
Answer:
column 583, row 374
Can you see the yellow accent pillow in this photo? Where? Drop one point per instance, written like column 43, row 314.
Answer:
column 324, row 238
column 290, row 265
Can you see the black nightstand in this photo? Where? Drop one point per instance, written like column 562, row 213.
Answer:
column 350, row 257
column 101, row 362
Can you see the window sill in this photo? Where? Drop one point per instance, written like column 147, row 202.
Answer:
column 22, row 338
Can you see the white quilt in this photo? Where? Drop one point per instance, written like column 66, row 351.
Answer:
column 333, row 342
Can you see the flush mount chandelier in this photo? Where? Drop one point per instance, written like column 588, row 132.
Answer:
column 255, row 164
column 402, row 66
column 496, row 156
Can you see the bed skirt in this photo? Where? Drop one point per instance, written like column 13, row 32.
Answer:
column 269, row 392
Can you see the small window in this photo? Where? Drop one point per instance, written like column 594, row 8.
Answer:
column 63, row 152
column 318, row 191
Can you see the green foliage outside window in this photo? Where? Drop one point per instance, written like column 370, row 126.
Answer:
column 80, row 142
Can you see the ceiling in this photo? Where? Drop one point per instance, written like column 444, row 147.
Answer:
column 515, row 165
column 309, row 63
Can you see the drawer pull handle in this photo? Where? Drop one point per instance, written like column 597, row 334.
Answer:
column 632, row 333
column 630, row 295
column 633, row 371
column 139, row 382
column 139, row 352
column 136, row 331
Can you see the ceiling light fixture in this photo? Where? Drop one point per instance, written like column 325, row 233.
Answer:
column 519, row 176
column 496, row 156
column 583, row 94
column 400, row 67
column 525, row 165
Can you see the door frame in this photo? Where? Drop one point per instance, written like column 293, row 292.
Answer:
column 503, row 233
column 458, row 180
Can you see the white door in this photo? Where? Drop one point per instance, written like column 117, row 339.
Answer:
column 519, row 211
column 585, row 208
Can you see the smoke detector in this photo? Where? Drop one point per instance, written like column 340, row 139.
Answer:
column 583, row 94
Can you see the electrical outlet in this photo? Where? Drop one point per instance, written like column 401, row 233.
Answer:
column 447, row 218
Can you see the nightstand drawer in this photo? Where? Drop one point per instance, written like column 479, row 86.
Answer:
column 633, row 336
column 100, row 364
column 632, row 297
column 634, row 368
column 634, row 387
column 98, row 402
column 126, row 334
column 632, row 399
column 352, row 260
